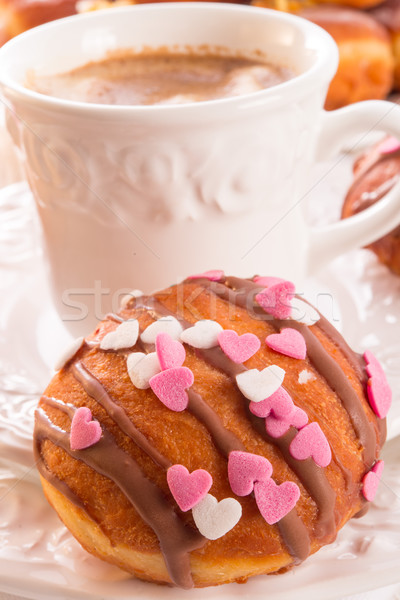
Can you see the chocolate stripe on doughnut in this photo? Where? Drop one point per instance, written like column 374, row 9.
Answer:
column 311, row 475
column 238, row 293
column 105, row 457
column 294, row 533
column 39, row 437
column 292, row 528
column 97, row 391
column 356, row 361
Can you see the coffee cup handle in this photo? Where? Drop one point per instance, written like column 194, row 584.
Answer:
column 329, row 241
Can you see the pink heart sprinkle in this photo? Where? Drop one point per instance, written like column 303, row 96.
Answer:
column 215, row 275
column 188, row 488
column 244, row 469
column 170, row 353
column 276, row 299
column 378, row 389
column 170, row 387
column 279, row 403
column 371, row 481
column 84, row 431
column 278, row 426
column 389, row 145
column 310, row 442
column 275, row 501
column 238, row 348
column 267, row 281
column 289, row 342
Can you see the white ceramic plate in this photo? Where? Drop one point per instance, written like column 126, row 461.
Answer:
column 39, row 558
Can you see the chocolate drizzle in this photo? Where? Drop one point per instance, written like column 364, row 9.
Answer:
column 294, row 532
column 319, row 357
column 41, row 434
column 176, row 539
column 312, row 477
column 97, row 391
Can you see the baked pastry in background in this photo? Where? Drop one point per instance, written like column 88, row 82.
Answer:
column 219, row 429
column 366, row 63
column 17, row 16
column 375, row 174
column 388, row 14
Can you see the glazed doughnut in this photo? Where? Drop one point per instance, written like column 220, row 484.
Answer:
column 388, row 14
column 375, row 173
column 214, row 458
column 366, row 62
column 17, row 16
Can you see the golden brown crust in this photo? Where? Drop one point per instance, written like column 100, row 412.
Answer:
column 110, row 526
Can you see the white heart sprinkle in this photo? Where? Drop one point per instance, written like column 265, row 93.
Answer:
column 258, row 385
column 168, row 325
column 303, row 312
column 214, row 519
column 203, row 334
column 68, row 353
column 132, row 294
column 141, row 368
column 305, row 376
column 125, row 336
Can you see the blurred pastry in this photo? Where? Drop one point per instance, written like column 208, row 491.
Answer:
column 388, row 14
column 366, row 63
column 375, row 174
column 17, row 16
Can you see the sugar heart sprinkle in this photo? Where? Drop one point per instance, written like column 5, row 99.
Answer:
column 125, row 300
column 238, row 348
column 280, row 403
column 310, row 442
column 124, row 336
column 276, row 300
column 167, row 324
column 68, row 353
column 171, row 353
column 203, row 334
column 389, row 145
column 214, row 519
column 275, row 501
column 289, row 342
column 214, row 275
column 84, row 431
column 142, row 367
column 378, row 389
column 267, row 281
column 278, row 426
column 244, row 469
column 170, row 387
column 371, row 481
column 257, row 385
column 188, row 489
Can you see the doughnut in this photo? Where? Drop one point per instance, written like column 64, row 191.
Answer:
column 216, row 430
column 17, row 16
column 388, row 14
column 366, row 63
column 375, row 173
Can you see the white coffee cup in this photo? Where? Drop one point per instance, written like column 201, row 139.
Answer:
column 142, row 196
